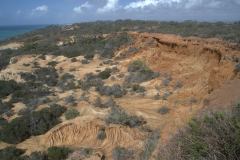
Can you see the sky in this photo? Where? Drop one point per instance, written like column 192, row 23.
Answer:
column 22, row 12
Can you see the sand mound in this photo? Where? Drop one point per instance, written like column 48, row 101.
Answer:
column 84, row 134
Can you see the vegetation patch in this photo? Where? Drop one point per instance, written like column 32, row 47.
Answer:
column 213, row 136
column 68, row 82
column 139, row 72
column 120, row 153
column 33, row 123
column 91, row 80
column 71, row 114
column 11, row 153
column 116, row 90
column 163, row 110
column 105, row 74
column 58, row 153
column 150, row 144
column 101, row 134
column 119, row 116
column 8, row 87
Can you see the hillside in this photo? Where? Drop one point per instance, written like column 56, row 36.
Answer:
column 120, row 95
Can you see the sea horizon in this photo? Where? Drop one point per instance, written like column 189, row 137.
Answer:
column 10, row 31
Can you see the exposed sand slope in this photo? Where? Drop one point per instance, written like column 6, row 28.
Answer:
column 15, row 45
column 204, row 67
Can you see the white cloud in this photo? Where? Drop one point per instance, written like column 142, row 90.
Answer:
column 193, row 3
column 141, row 4
column 43, row 8
column 150, row 3
column 111, row 5
column 79, row 9
column 214, row 4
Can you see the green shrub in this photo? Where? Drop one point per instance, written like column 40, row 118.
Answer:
column 67, row 82
column 163, row 110
column 119, row 116
column 115, row 90
column 30, row 46
column 120, row 153
column 71, row 114
column 101, row 134
column 213, row 136
column 237, row 68
column 52, row 63
column 47, row 75
column 137, row 88
column 11, row 153
column 91, row 80
column 58, row 153
column 5, row 107
column 16, row 131
column 98, row 103
column 105, row 74
column 8, row 87
column 157, row 96
column 138, row 65
column 139, row 72
column 37, row 156
column 149, row 145
column 32, row 123
column 32, row 94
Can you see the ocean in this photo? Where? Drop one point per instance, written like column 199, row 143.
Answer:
column 11, row 31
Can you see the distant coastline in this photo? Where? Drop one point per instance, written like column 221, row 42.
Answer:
column 7, row 32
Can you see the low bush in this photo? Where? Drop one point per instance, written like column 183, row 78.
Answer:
column 120, row 153
column 52, row 63
column 71, row 114
column 85, row 61
column 166, row 95
column 166, row 81
column 37, row 156
column 67, row 82
column 81, row 154
column 5, row 107
column 137, row 88
column 33, row 123
column 31, row 94
column 119, row 116
column 70, row 100
column 138, row 65
column 5, row 56
column 98, row 103
column 101, row 134
column 8, row 87
column 237, row 68
column 139, row 72
column 178, row 85
column 11, row 153
column 105, row 74
column 47, row 76
column 91, row 80
column 150, row 145
column 58, row 153
column 74, row 60
column 2, row 122
column 163, row 110
column 213, row 136
column 157, row 96
column 116, row 90
column 110, row 103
